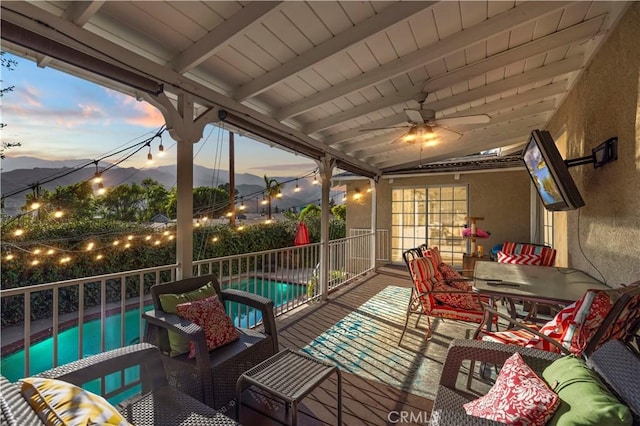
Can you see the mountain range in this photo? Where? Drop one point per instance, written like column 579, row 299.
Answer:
column 20, row 174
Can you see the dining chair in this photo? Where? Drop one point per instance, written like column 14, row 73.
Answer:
column 432, row 296
column 579, row 329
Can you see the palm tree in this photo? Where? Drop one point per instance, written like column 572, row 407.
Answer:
column 272, row 189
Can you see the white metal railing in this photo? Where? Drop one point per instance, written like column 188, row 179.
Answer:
column 281, row 275
column 349, row 258
column 382, row 241
column 90, row 295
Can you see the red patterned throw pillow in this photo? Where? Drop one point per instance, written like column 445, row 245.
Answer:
column 519, row 397
column 453, row 277
column 519, row 259
column 454, row 297
column 209, row 314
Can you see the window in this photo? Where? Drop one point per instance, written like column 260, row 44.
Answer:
column 434, row 215
column 547, row 228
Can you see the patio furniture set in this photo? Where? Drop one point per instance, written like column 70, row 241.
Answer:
column 188, row 388
column 598, row 327
column 172, row 388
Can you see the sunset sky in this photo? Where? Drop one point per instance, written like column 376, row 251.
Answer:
column 60, row 117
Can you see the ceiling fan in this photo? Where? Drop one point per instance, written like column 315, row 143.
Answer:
column 421, row 123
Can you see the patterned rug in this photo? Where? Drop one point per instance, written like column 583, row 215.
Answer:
column 365, row 343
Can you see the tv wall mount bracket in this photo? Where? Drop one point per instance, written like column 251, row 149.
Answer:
column 602, row 154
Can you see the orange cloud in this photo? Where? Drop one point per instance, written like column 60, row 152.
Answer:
column 148, row 115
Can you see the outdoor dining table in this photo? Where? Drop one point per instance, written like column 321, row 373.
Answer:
column 536, row 284
column 547, row 284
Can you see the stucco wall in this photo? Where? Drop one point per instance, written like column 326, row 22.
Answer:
column 603, row 103
column 502, row 198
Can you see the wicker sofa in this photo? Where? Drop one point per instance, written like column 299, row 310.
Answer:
column 157, row 404
column 616, row 364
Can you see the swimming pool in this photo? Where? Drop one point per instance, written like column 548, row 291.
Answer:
column 12, row 366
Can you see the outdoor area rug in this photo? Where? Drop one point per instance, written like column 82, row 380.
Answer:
column 365, row 343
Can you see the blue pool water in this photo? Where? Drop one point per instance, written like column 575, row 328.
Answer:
column 12, row 366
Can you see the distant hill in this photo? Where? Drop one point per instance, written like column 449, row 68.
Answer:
column 16, row 178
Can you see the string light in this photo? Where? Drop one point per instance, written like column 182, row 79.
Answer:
column 215, row 239
column 90, row 246
column 279, row 195
column 50, row 252
column 268, row 221
column 171, row 237
column 264, row 201
column 357, row 195
column 35, row 262
column 161, row 148
column 65, row 259
column 147, row 238
column 101, row 189
column 37, row 251
column 315, row 179
column 9, row 256
column 130, row 237
column 242, row 206
column 99, row 256
column 240, row 228
column 18, row 232
column 58, row 214
column 297, row 188
column 127, row 245
column 149, row 155
column 156, row 242
column 35, row 205
column 97, row 177
column 116, row 242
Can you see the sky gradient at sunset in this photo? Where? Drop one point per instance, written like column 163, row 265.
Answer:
column 60, row 117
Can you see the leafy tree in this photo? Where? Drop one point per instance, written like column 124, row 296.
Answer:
column 272, row 189
column 9, row 64
column 310, row 210
column 339, row 211
column 210, row 201
column 155, row 197
column 123, row 202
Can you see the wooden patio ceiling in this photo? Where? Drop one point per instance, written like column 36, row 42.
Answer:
column 331, row 78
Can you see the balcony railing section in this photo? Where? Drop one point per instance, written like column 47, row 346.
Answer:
column 104, row 311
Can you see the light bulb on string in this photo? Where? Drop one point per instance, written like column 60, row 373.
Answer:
column 240, row 228
column 116, row 242
column 315, row 179
column 156, row 243
column 149, row 157
column 97, row 177
column 127, row 245
column 279, row 195
column 58, row 213
column 147, row 238
column 37, row 251
column 170, row 237
column 160, row 148
column 297, row 188
column 99, row 256
column 357, row 195
column 35, row 205
column 50, row 252
column 242, row 206
column 215, row 239
column 35, row 262
column 9, row 256
column 101, row 189
column 18, row 232
column 264, row 201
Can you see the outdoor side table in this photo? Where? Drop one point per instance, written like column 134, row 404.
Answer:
column 290, row 376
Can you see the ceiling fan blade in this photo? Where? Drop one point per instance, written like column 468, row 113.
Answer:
column 467, row 119
column 414, row 116
column 450, row 130
column 383, row 128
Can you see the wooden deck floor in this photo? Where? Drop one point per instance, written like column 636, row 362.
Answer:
column 366, row 400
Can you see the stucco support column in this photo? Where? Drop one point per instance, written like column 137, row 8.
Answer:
column 185, row 129
column 325, row 170
column 374, row 220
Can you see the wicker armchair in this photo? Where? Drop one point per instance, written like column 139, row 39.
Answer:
column 158, row 404
column 210, row 377
column 614, row 363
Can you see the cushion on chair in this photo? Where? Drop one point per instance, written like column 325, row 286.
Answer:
column 519, row 259
column 459, row 300
column 453, row 277
column 60, row 403
column 423, row 280
column 209, row 314
column 180, row 344
column 584, row 399
column 518, row 397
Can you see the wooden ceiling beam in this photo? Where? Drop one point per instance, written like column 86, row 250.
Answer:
column 222, row 35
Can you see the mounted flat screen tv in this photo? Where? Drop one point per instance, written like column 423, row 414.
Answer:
column 550, row 174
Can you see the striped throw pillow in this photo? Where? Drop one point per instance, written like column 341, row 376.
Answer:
column 519, row 259
column 62, row 404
